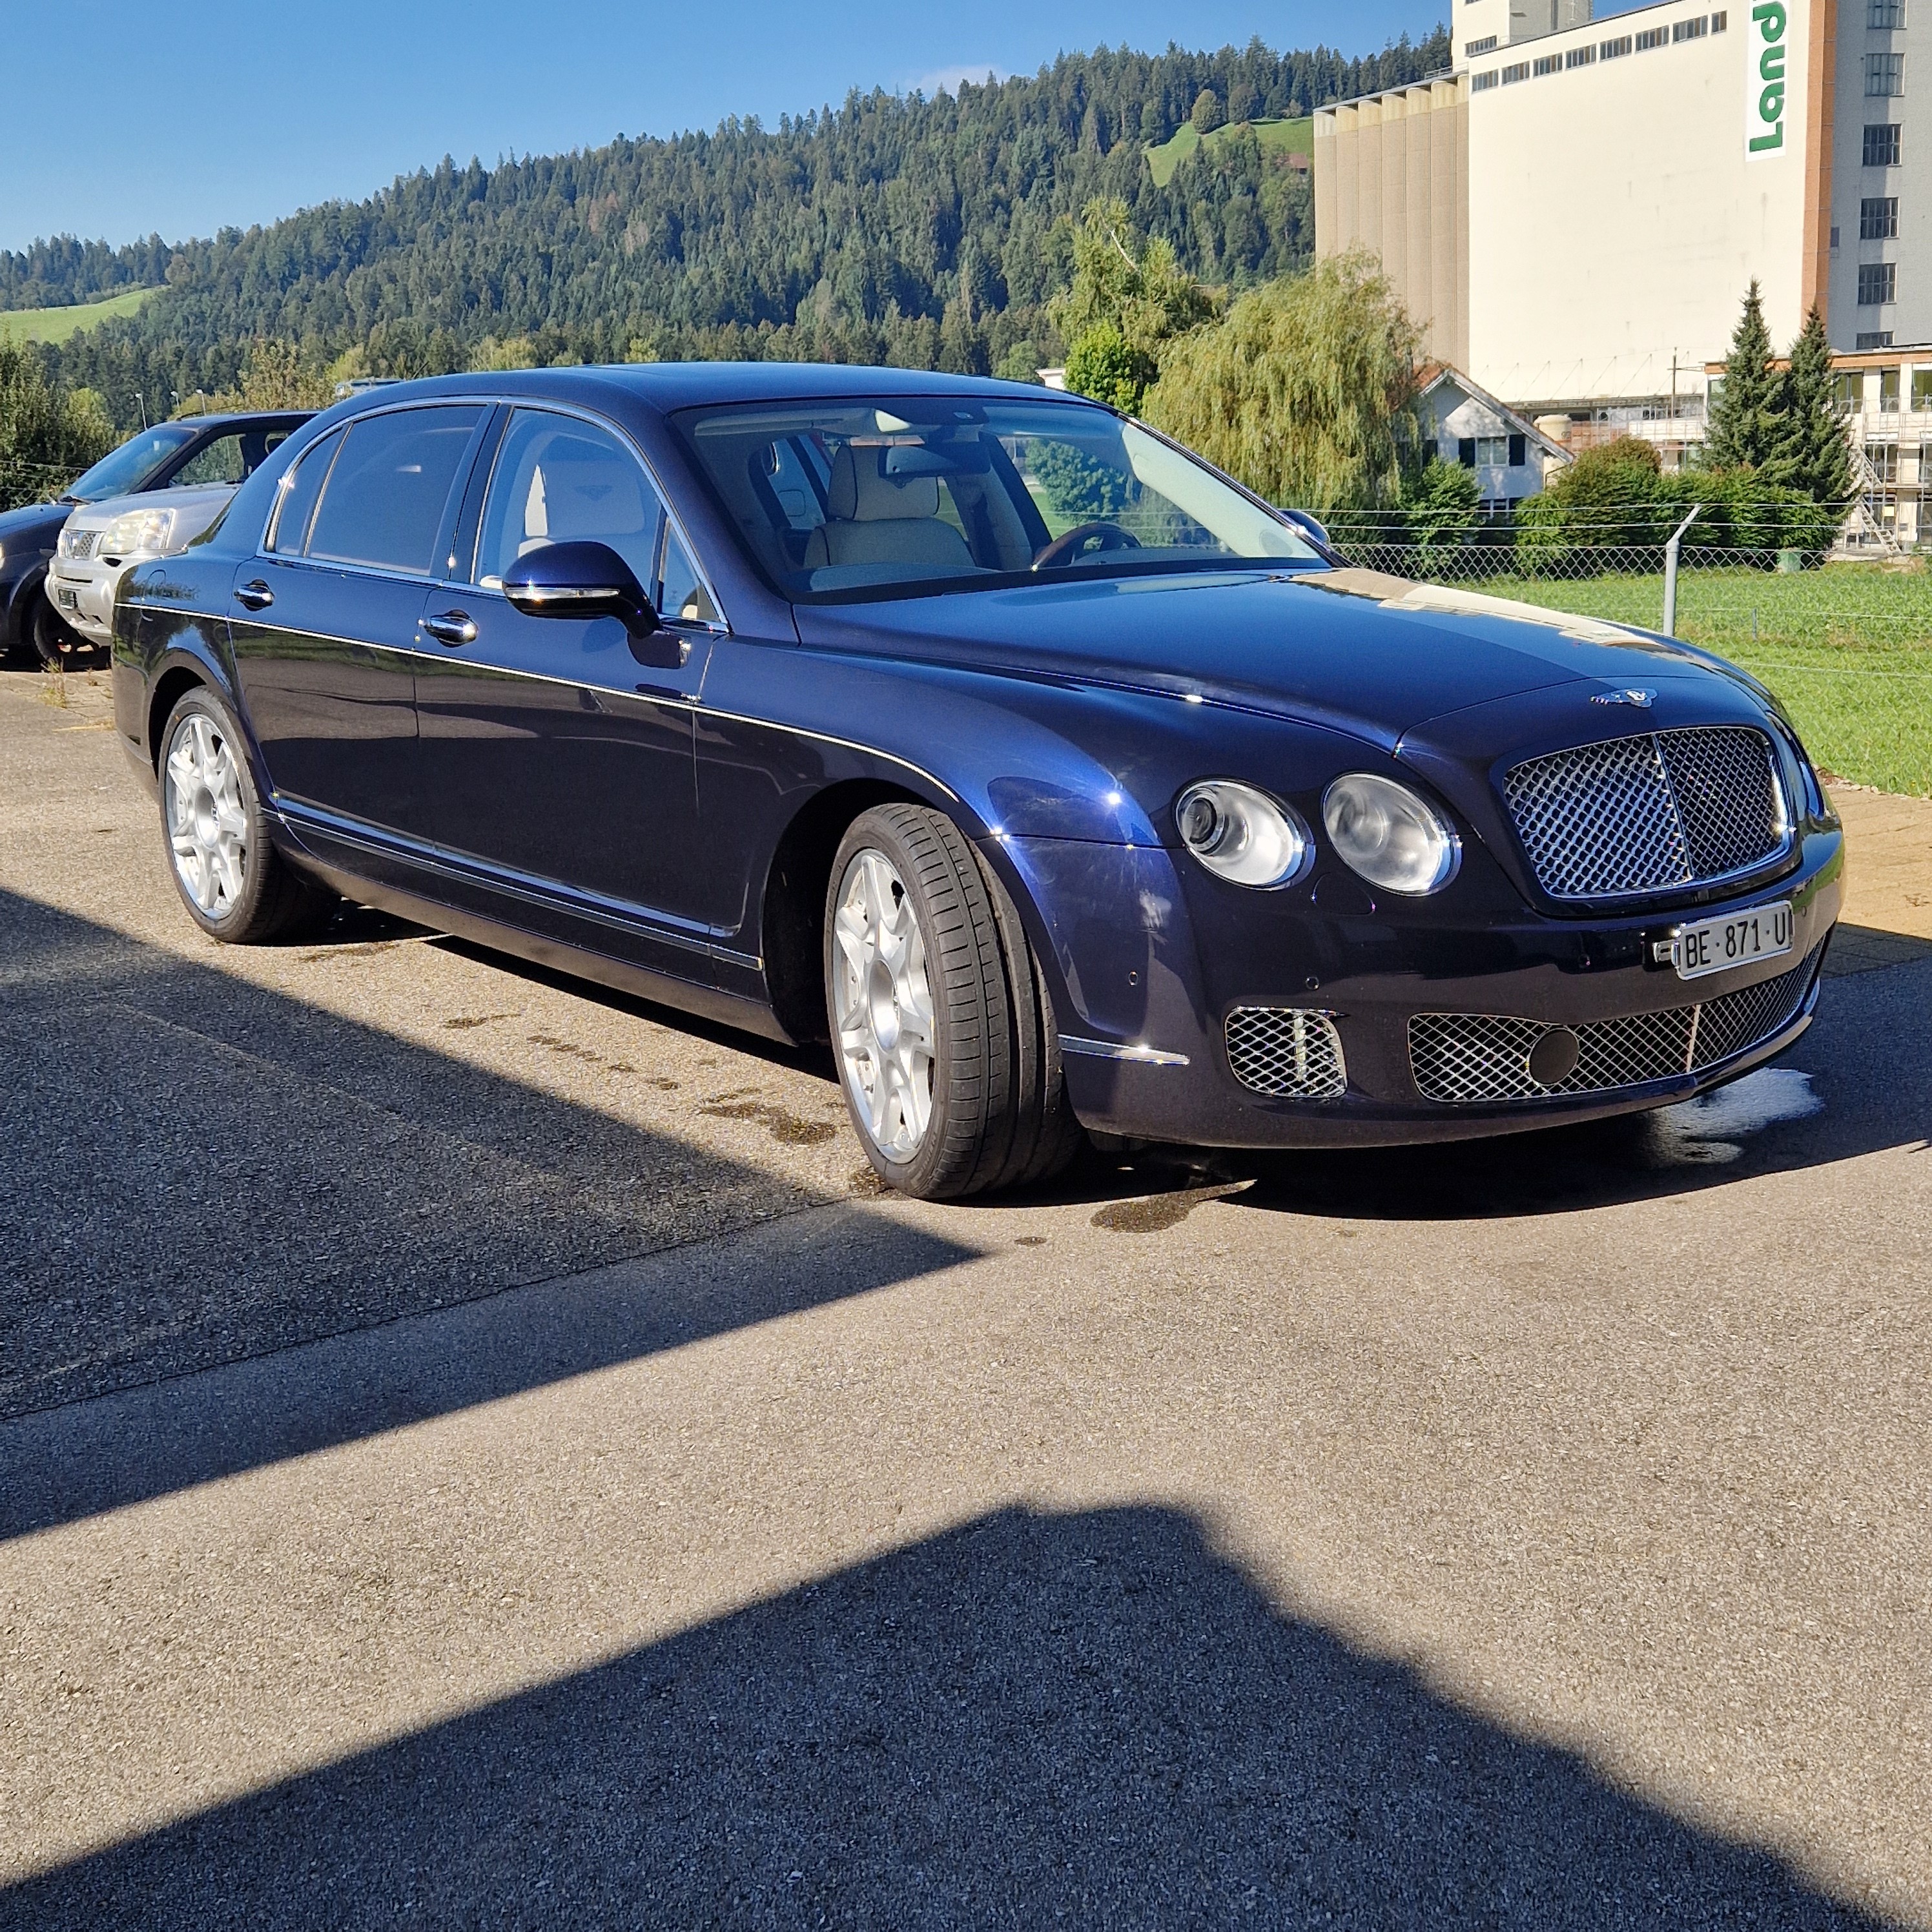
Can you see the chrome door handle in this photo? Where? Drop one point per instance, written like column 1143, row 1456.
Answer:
column 451, row 628
column 255, row 596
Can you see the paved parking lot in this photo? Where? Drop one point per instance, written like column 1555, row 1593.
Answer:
column 477, row 1453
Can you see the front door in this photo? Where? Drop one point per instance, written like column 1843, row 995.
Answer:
column 560, row 763
column 324, row 620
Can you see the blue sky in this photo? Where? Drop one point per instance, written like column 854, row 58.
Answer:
column 209, row 112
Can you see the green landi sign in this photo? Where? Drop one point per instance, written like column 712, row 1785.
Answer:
column 1764, row 78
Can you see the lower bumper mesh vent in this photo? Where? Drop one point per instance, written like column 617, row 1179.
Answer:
column 1468, row 1058
column 1282, row 1050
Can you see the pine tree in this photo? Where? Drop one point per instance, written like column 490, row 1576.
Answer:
column 1746, row 419
column 1810, row 453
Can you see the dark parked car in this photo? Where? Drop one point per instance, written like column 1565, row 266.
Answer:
column 1056, row 780
column 195, row 450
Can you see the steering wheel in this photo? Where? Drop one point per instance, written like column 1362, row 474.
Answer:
column 1085, row 540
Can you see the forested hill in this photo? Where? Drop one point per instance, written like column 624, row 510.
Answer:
column 898, row 229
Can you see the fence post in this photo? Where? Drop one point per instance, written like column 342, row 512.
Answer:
column 1670, row 571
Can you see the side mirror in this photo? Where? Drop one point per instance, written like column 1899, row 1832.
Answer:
column 1313, row 526
column 580, row 579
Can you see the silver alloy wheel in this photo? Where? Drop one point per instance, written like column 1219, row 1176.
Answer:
column 884, row 1005
column 208, row 826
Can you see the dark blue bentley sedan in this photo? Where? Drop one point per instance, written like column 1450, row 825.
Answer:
column 1059, row 782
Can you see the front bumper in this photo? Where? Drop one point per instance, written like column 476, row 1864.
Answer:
column 1167, row 1075
column 83, row 593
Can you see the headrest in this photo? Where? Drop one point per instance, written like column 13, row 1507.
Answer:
column 860, row 492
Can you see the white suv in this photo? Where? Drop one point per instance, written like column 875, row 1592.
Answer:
column 101, row 542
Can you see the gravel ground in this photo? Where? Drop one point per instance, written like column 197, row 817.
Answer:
column 477, row 1455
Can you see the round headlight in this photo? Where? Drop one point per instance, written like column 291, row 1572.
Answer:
column 1241, row 833
column 1393, row 839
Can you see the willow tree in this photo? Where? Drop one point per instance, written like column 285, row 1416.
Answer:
column 1305, row 390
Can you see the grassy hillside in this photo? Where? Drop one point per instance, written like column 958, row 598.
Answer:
column 1295, row 136
column 56, row 325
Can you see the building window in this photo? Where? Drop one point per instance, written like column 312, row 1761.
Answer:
column 1579, row 57
column 1848, row 389
column 1922, row 401
column 1885, row 76
column 1615, row 49
column 1486, row 45
column 1690, row 30
column 1882, row 146
column 1486, row 78
column 1883, row 16
column 1878, row 218
column 1520, row 71
column 1887, row 392
column 1719, row 21
column 1878, row 282
column 1883, row 457
column 1548, row 64
column 1653, row 37
column 1493, row 451
column 1834, row 235
column 1874, row 338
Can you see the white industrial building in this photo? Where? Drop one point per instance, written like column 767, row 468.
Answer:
column 1574, row 212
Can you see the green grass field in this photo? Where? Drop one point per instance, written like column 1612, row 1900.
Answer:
column 1848, row 648
column 1283, row 137
column 56, row 325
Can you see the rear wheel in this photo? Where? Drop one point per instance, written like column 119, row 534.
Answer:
column 948, row 1052
column 236, row 886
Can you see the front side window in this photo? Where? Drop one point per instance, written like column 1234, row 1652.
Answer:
column 218, row 462
column 681, row 596
column 891, row 495
column 558, row 479
column 134, row 465
column 382, row 503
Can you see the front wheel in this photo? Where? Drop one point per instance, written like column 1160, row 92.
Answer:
column 949, row 1054
column 55, row 642
column 236, row 886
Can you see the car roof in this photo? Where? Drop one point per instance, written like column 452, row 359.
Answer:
column 665, row 386
column 274, row 419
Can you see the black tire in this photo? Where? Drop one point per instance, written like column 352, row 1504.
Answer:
column 56, row 643
column 999, row 1116
column 273, row 900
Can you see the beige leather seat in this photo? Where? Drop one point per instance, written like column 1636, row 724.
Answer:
column 874, row 518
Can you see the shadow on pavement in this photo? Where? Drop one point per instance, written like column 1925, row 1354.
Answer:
column 1090, row 1719
column 204, row 1172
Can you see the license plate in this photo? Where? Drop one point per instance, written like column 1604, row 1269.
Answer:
column 1715, row 945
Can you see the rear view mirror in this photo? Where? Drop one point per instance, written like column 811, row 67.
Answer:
column 580, row 579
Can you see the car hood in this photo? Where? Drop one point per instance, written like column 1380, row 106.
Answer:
column 39, row 522
column 203, row 501
column 1353, row 649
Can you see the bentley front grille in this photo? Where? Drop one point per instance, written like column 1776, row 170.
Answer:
column 1649, row 815
column 1284, row 1051
column 1468, row 1059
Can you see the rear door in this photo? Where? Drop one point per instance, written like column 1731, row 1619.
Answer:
column 559, row 757
column 325, row 618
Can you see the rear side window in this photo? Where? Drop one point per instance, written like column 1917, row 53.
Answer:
column 386, row 491
column 301, row 488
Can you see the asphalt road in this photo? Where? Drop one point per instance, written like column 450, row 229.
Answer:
column 476, row 1453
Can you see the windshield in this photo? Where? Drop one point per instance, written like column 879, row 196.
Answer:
column 130, row 467
column 893, row 496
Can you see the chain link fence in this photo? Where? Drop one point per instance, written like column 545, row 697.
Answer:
column 1845, row 644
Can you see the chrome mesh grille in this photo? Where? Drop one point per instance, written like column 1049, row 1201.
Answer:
column 1282, row 1050
column 1644, row 814
column 77, row 543
column 1468, row 1058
